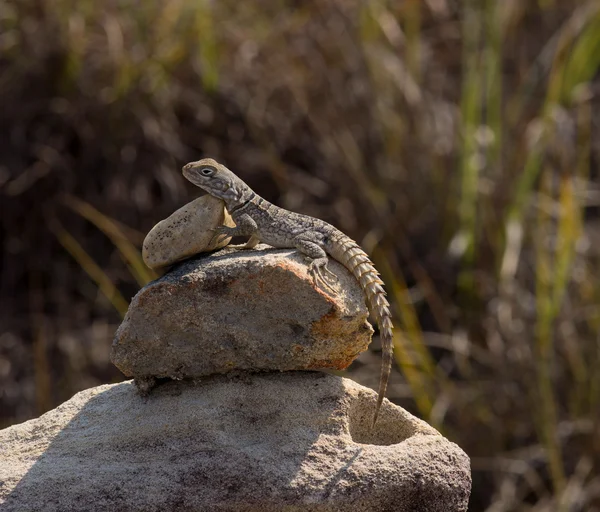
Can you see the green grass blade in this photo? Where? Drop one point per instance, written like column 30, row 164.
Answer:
column 91, row 268
column 142, row 274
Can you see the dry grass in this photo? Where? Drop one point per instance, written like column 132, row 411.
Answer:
column 455, row 139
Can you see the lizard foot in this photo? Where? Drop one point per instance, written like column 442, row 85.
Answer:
column 318, row 269
column 329, row 274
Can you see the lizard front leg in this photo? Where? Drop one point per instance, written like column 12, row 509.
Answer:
column 244, row 226
column 319, row 260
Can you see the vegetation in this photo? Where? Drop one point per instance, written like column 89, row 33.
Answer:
column 455, row 139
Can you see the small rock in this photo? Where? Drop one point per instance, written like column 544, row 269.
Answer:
column 241, row 310
column 187, row 232
column 298, row 441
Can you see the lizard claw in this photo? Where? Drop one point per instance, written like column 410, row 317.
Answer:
column 316, row 269
column 330, row 274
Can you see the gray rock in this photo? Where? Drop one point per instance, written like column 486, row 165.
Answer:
column 186, row 232
column 241, row 310
column 299, row 441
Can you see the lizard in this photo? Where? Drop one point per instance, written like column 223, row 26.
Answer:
column 265, row 222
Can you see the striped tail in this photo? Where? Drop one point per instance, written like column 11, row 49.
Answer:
column 348, row 253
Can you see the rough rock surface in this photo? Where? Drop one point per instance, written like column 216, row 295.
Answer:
column 299, row 441
column 186, row 232
column 241, row 310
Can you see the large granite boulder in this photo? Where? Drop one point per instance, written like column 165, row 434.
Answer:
column 296, row 441
column 241, row 310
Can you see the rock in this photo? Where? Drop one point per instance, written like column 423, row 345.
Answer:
column 241, row 310
column 186, row 232
column 299, row 441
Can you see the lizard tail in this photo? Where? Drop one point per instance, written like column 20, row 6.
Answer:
column 348, row 253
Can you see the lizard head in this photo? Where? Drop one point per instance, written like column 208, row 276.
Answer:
column 216, row 179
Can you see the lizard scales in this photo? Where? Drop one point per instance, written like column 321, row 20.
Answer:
column 262, row 221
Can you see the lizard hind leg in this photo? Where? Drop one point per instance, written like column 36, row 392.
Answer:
column 318, row 265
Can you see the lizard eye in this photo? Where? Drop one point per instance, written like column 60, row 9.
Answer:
column 207, row 171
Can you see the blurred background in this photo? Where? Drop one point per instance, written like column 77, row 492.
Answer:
column 456, row 140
